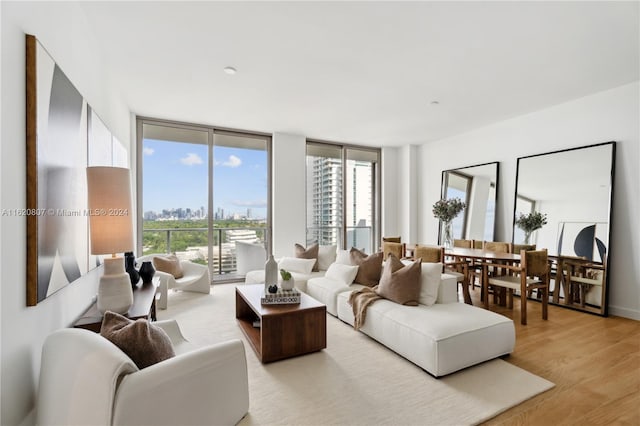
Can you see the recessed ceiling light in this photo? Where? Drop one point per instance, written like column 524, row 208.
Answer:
column 230, row 70
column 435, row 103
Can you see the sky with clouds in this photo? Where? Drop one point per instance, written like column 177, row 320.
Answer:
column 175, row 175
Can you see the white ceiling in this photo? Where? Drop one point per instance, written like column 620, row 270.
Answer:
column 362, row 72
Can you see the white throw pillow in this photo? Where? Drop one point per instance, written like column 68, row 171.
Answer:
column 326, row 256
column 430, row 283
column 342, row 273
column 295, row 264
column 343, row 257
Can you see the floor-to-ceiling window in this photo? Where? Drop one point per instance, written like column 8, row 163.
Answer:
column 201, row 190
column 342, row 195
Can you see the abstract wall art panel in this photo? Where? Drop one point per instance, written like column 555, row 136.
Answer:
column 58, row 149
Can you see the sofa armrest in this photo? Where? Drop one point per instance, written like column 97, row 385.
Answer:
column 448, row 290
column 205, row 386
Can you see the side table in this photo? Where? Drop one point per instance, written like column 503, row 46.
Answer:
column 144, row 306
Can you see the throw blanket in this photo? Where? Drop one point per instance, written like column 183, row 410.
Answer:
column 360, row 301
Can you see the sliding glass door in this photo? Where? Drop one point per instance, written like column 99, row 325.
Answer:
column 342, row 196
column 200, row 190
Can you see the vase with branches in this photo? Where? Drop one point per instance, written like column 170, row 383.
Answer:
column 530, row 222
column 446, row 210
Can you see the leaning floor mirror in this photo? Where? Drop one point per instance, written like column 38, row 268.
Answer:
column 477, row 186
column 572, row 189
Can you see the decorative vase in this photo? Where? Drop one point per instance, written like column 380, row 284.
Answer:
column 130, row 267
column 146, row 272
column 447, row 235
column 527, row 236
column 270, row 272
column 288, row 284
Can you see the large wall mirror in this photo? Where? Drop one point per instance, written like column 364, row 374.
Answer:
column 573, row 188
column 477, row 186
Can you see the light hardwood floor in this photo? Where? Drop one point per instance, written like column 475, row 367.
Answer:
column 593, row 361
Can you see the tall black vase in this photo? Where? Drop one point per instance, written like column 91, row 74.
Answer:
column 146, row 272
column 130, row 267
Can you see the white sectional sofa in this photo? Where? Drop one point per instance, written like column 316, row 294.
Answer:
column 442, row 338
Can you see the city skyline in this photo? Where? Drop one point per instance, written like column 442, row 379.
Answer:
column 239, row 178
column 188, row 213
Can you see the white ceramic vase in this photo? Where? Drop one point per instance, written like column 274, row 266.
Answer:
column 270, row 272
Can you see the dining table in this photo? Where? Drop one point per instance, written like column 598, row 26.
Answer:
column 482, row 257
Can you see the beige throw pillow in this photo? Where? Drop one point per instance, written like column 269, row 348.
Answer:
column 369, row 267
column 143, row 342
column 169, row 264
column 400, row 283
column 309, row 253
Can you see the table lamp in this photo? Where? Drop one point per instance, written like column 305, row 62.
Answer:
column 111, row 231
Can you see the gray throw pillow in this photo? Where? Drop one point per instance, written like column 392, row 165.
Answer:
column 143, row 342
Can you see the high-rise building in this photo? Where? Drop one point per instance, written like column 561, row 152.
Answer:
column 324, row 199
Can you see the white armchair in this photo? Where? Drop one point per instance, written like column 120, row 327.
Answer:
column 196, row 278
column 87, row 380
column 249, row 256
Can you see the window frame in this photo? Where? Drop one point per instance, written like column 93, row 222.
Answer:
column 211, row 132
column 375, row 185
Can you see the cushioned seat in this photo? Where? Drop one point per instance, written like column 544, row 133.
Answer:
column 441, row 338
column 326, row 290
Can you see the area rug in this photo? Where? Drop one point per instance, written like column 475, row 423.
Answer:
column 355, row 380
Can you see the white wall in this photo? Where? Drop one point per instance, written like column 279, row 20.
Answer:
column 289, row 192
column 389, row 188
column 610, row 115
column 63, row 31
column 408, row 190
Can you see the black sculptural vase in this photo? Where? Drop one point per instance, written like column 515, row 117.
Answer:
column 130, row 267
column 146, row 272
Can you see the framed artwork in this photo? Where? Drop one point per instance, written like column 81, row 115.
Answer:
column 583, row 239
column 64, row 136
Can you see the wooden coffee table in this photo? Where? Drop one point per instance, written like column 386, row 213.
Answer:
column 285, row 330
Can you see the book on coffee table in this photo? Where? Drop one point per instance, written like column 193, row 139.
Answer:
column 281, row 297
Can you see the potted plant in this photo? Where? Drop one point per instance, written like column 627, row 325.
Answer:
column 446, row 211
column 287, row 280
column 530, row 222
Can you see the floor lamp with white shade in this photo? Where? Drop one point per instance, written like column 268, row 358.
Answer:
column 111, row 231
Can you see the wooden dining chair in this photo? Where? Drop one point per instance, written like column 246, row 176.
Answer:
column 458, row 268
column 532, row 273
column 517, row 248
column 398, row 249
column 581, row 276
column 463, row 243
column 475, row 271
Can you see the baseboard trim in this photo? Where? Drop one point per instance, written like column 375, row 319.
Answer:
column 624, row 312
